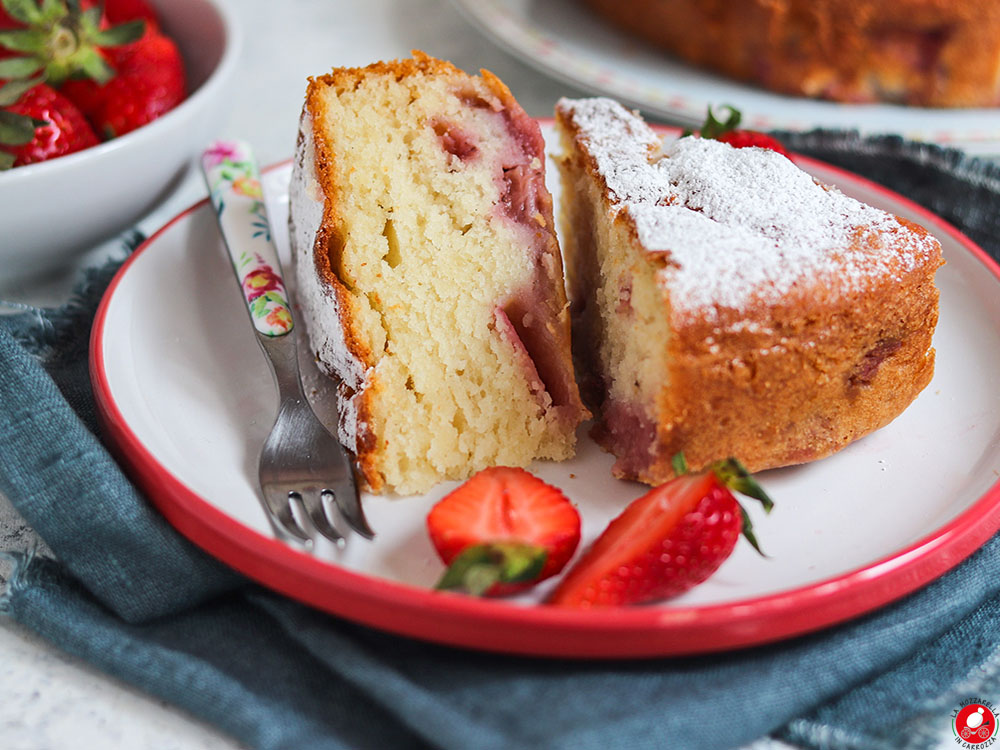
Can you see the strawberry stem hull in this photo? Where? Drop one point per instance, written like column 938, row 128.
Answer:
column 494, row 569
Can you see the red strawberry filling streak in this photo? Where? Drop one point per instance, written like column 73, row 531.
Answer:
column 528, row 319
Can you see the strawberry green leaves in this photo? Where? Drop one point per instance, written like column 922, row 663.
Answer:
column 481, row 567
column 61, row 40
column 735, row 476
column 713, row 127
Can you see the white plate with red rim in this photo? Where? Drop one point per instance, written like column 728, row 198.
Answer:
column 564, row 40
column 187, row 399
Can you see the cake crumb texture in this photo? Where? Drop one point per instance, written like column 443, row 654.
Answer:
column 429, row 273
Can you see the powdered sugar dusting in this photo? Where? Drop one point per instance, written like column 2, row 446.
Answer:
column 736, row 225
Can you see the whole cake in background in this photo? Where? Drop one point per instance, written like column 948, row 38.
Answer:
column 917, row 52
column 428, row 272
column 726, row 304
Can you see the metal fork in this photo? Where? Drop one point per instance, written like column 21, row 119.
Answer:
column 305, row 473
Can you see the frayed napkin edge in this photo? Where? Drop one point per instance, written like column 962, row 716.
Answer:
column 41, row 327
column 18, row 579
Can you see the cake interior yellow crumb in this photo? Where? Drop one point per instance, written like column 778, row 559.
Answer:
column 448, row 393
column 633, row 346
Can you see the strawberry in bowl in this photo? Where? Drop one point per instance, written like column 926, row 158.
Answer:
column 104, row 188
column 117, row 76
column 38, row 123
column 148, row 82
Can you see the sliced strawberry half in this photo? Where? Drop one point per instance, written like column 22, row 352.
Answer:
column 665, row 542
column 502, row 531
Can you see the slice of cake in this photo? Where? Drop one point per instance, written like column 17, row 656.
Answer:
column 428, row 272
column 726, row 304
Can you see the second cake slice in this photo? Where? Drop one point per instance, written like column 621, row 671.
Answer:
column 726, row 304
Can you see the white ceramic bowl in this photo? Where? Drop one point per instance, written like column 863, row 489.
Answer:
column 53, row 210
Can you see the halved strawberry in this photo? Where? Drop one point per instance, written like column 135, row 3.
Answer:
column 728, row 131
column 665, row 542
column 502, row 531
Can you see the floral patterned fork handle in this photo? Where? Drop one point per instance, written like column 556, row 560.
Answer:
column 306, row 477
column 233, row 180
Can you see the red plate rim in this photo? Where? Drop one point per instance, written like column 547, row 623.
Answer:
column 496, row 626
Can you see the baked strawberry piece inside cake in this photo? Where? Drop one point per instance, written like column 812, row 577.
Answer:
column 724, row 303
column 428, row 272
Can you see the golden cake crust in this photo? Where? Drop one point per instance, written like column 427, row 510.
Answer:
column 934, row 53
column 779, row 380
column 798, row 381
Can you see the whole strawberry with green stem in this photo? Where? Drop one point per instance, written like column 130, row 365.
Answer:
column 148, row 82
column 729, row 131
column 665, row 542
column 120, row 76
column 37, row 123
column 59, row 40
column 42, row 43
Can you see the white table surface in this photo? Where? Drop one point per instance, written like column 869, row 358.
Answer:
column 47, row 698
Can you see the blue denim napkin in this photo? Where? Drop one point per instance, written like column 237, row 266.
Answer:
column 128, row 594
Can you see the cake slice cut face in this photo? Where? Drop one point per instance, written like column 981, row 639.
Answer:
column 429, row 275
column 724, row 303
